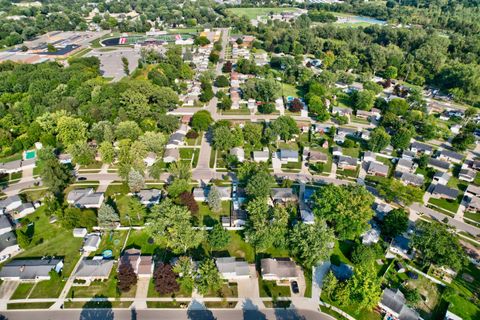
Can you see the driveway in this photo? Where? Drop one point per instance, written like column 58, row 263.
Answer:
column 248, row 288
column 6, row 291
column 142, row 293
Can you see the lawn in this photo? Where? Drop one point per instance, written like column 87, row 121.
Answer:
column 463, row 308
column 114, row 241
column 207, row 217
column 141, row 240
column 292, row 165
column 252, row 13
column 270, row 289
column 228, row 290
column 237, row 112
column 473, row 216
column 152, row 293
column 127, row 219
column 289, row 90
column 287, row 145
column 107, row 288
column 352, row 310
column 33, row 305
column 351, row 152
column 341, row 250
column 449, row 205
column 237, row 247
column 348, row 173
column 186, row 153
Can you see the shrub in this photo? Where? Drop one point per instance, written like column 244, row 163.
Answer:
column 192, row 134
column 187, row 200
column 266, row 108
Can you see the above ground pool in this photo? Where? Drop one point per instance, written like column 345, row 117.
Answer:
column 30, row 154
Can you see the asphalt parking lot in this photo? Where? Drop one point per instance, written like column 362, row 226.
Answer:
column 111, row 61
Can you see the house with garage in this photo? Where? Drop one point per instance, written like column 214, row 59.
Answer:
column 142, row 265
column 400, row 246
column 96, row 268
column 394, row 304
column 419, row 147
column 232, row 269
column 440, row 191
column 201, row 194
column 261, row 156
column 408, row 178
column 286, row 155
column 85, row 198
column 30, row 270
column 467, row 174
column 171, row 155
column 340, row 111
column 24, row 209
column 441, row 178
column 438, row 164
column 278, row 269
column 347, row 163
column 450, row 156
column 149, row 197
column 405, row 165
column 10, row 203
column 369, row 156
column 8, row 244
column 283, row 195
column 314, row 156
column 377, row 169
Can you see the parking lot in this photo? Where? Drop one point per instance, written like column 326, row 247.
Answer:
column 111, row 61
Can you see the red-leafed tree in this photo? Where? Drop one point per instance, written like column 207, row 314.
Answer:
column 126, row 277
column 296, row 105
column 188, row 200
column 165, row 279
column 227, row 67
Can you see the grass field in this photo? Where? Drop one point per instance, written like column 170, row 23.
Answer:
column 252, row 13
column 270, row 289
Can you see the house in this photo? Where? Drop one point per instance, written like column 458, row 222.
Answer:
column 347, row 163
column 467, row 174
column 476, row 164
column 443, row 192
column 65, row 158
column 342, row 111
column 441, row 177
column 412, row 179
column 176, row 139
column 79, row 232
column 393, row 303
column 377, row 169
column 231, row 269
column 278, row 269
column 282, row 195
column 369, row 156
column 85, row 198
column 400, row 246
column 142, row 265
column 317, row 156
column 11, row 167
column 92, row 242
column 473, row 203
column 201, row 194
column 149, row 197
column 239, row 153
column 10, row 203
column 346, row 132
column 409, row 155
column 307, row 216
column 381, row 210
column 405, row 165
column 337, row 151
column 171, row 155
column 450, row 156
column 261, row 156
column 238, row 218
column 372, row 235
column 29, row 270
column 438, row 164
column 342, row 272
column 6, row 224
column 150, row 159
column 8, row 244
column 287, row 155
column 24, row 209
column 363, row 114
column 419, row 147
column 94, row 269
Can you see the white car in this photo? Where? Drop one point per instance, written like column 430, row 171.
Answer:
column 4, row 258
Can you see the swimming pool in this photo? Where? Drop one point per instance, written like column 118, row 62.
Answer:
column 30, row 154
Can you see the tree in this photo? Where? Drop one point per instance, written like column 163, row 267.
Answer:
column 107, row 216
column 107, row 152
column 365, row 254
column 221, row 81
column 214, row 199
column 395, row 223
column 379, row 139
column 227, row 67
column 262, row 89
column 346, row 208
column 55, row 176
column 392, row 189
column 201, row 120
column 136, row 208
column 168, row 123
column 372, row 86
column 438, row 245
column 154, row 141
column 177, row 187
column 363, row 100
column 390, row 72
column 266, row 108
column 218, row 237
column 412, row 296
column 187, row 199
column 126, row 68
column 184, row 269
column 296, row 105
column 463, row 141
column 81, row 153
column 71, row 130
column 214, row 57
column 128, row 130
column 401, row 138
column 311, row 242
column 208, row 279
column 201, row 41
column 252, row 133
column 398, row 106
column 285, row 127
column 259, row 185
column 365, row 287
column 23, row 239
column 126, row 276
column 165, row 279
column 207, row 92
column 170, row 224
column 180, row 170
column 136, row 181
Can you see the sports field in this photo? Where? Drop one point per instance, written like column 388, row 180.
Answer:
column 252, row 13
column 133, row 39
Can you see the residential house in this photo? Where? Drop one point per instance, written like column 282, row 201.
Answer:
column 339, row 139
column 363, row 114
column 317, row 156
column 372, row 235
column 230, row 269
column 473, row 190
column 10, row 203
column 347, row 132
column 239, row 153
column 150, row 159
column 8, row 244
column 287, row 155
column 176, row 139
column 201, row 194
column 409, row 155
column 142, row 265
column 381, row 210
column 365, row 135
column 411, row 179
column 79, row 232
column 92, row 242
column 347, row 163
column 6, row 224
column 369, row 156
column 278, row 269
column 467, row 174
column 283, row 195
column 472, row 198
column 11, row 167
column 443, row 192
column 65, row 158
column 377, row 169
column 337, row 151
column 419, row 147
column 342, row 272
column 438, row 164
column 394, row 304
column 149, row 197
column 476, row 164
column 450, row 156
column 342, row 111
column 441, row 178
column 238, row 218
column 29, row 270
column 261, row 156
column 94, row 269
column 24, row 209
column 171, row 155
column 400, row 246
column 405, row 165
column 85, row 198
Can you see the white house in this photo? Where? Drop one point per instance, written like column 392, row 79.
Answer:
column 261, row 156
column 79, row 232
column 201, row 194
column 239, row 153
column 92, row 242
column 231, row 269
column 30, row 270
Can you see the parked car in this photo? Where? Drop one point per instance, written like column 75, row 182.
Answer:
column 294, row 285
column 4, row 258
column 81, row 178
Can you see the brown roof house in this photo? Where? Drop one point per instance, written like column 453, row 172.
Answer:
column 142, row 265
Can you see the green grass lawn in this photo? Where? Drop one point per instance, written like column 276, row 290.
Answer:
column 352, row 310
column 287, row 145
column 252, row 13
column 113, row 240
column 290, row 90
column 128, row 218
column 228, row 290
column 32, row 305
column 341, row 250
column 141, row 240
column 237, row 247
column 94, row 165
column 449, row 205
column 116, row 189
column 107, row 288
column 270, row 289
column 472, row 215
column 292, row 165
column 237, row 112
column 207, row 217
column 463, row 308
column 351, row 152
column 348, row 173
column 186, row 153
column 182, row 293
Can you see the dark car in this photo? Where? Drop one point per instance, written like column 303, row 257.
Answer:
column 295, row 287
column 81, row 178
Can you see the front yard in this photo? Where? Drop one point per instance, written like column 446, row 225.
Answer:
column 271, row 289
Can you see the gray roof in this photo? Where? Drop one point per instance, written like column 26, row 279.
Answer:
column 9, row 200
column 438, row 163
column 408, row 153
column 282, row 193
column 286, row 153
column 348, row 160
column 369, row 154
column 28, row 269
column 24, row 206
column 411, row 178
column 421, row 146
column 7, row 239
column 230, row 265
column 405, row 163
column 225, row 192
column 337, row 148
column 283, row 268
column 96, row 268
column 174, row 153
column 451, row 154
column 261, row 154
column 441, row 175
column 149, row 195
column 76, row 194
column 444, row 190
column 5, row 222
column 395, row 301
column 12, row 165
column 176, row 137
column 92, row 240
column 468, row 173
column 378, row 168
column 401, row 242
column 90, row 199
column 346, row 130
column 317, row 156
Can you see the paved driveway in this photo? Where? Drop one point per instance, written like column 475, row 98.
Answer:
column 248, row 288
